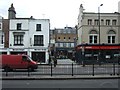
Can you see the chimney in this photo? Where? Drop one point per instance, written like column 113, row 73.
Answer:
column 11, row 12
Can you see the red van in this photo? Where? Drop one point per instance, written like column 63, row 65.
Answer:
column 10, row 62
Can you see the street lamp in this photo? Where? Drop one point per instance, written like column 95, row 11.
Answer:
column 99, row 20
column 99, row 27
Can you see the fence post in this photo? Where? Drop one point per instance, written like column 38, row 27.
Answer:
column 6, row 72
column 28, row 72
column 51, row 69
column 113, row 68
column 72, row 69
column 118, row 68
column 93, row 70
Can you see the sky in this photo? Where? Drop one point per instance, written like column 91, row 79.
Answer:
column 61, row 13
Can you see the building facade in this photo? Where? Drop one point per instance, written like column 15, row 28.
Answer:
column 65, row 41
column 91, row 32
column 31, row 37
column 28, row 36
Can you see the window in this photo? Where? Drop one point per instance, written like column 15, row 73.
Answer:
column 61, row 44
column 93, row 37
column 38, row 40
column 102, row 22
column 111, row 39
column 89, row 21
column 19, row 25
column 64, row 44
column 0, row 25
column 107, row 22
column 24, row 58
column 96, row 22
column 69, row 44
column 114, row 22
column 64, row 39
column 18, row 39
column 69, row 38
column 2, row 39
column 111, row 36
column 38, row 27
column 59, row 38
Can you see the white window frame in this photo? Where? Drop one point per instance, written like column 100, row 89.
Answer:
column 111, row 38
column 93, row 38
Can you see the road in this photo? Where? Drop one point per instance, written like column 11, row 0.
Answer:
column 96, row 83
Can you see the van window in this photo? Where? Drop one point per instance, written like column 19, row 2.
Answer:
column 24, row 58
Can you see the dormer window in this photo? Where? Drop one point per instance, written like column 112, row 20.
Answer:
column 19, row 25
column 0, row 25
column 38, row 27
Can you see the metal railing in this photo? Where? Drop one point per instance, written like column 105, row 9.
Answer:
column 67, row 69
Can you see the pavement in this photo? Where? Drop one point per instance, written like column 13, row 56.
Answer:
column 59, row 77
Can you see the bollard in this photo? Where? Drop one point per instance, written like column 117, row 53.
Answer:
column 72, row 69
column 93, row 70
column 51, row 69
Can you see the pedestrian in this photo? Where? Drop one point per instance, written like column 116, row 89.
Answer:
column 55, row 62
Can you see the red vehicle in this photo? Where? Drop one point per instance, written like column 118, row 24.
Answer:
column 10, row 62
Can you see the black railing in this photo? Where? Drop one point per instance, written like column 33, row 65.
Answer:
column 66, row 69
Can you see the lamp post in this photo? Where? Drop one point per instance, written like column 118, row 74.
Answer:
column 99, row 20
column 99, row 28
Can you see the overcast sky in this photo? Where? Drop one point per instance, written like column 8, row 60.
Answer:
column 60, row 12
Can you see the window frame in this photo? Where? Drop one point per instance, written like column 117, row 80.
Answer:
column 38, row 40
column 89, row 21
column 18, row 40
column 19, row 26
column 38, row 27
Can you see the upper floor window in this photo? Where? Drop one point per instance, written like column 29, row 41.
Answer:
column 111, row 36
column 69, row 38
column 89, row 21
column 1, row 38
column 18, row 39
column 93, row 37
column 38, row 27
column 107, row 22
column 0, row 25
column 19, row 26
column 96, row 22
column 114, row 22
column 59, row 38
column 38, row 40
column 64, row 38
column 102, row 22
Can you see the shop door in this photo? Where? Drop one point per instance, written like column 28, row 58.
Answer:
column 38, row 56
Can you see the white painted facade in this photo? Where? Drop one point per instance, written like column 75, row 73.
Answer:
column 28, row 30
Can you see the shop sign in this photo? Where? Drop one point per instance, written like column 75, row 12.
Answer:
column 18, row 49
